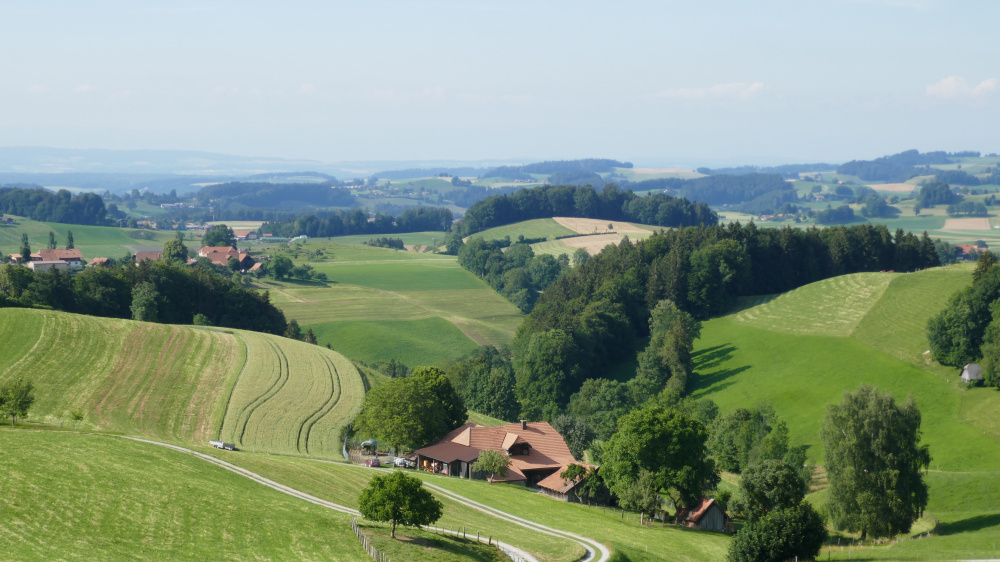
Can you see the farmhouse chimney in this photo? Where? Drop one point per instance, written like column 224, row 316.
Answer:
column 524, row 424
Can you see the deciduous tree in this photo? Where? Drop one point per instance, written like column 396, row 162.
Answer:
column 497, row 463
column 16, row 397
column 399, row 499
column 219, row 235
column 768, row 486
column 785, row 534
column 874, row 461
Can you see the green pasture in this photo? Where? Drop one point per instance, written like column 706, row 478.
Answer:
column 426, row 341
column 68, row 495
column 799, row 353
column 622, row 532
column 383, row 303
column 92, row 241
column 429, row 238
column 553, row 248
column 342, row 483
column 535, row 228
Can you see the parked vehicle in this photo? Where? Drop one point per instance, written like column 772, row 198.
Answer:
column 404, row 462
column 222, row 445
column 373, row 462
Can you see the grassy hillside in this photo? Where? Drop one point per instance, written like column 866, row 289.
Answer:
column 800, row 351
column 179, row 383
column 68, row 495
column 380, row 304
column 536, row 228
column 92, row 241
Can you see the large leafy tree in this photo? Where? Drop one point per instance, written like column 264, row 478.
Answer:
column 768, row 486
column 174, row 250
column 545, row 371
column 668, row 444
column 219, row 235
column 411, row 411
column 667, row 358
column 785, row 534
column 399, row 499
column 747, row 435
column 873, row 463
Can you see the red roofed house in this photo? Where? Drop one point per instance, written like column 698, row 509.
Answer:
column 153, row 255
column 99, row 262
column 536, row 450
column 707, row 516
column 220, row 255
column 73, row 257
column 968, row 250
column 245, row 235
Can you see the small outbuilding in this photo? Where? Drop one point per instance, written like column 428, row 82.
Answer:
column 706, row 515
column 972, row 372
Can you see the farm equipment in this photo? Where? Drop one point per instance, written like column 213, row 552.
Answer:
column 222, row 445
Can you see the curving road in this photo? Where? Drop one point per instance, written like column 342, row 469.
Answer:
column 596, row 552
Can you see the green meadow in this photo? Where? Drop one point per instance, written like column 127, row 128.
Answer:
column 77, row 496
column 92, row 241
column 535, row 228
column 381, row 304
column 799, row 351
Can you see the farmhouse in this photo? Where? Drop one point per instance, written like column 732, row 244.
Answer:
column 73, row 257
column 536, row 450
column 967, row 251
column 972, row 372
column 220, row 255
column 707, row 516
column 151, row 255
column 99, row 262
column 242, row 235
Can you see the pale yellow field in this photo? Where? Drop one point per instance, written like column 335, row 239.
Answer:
column 593, row 244
column 595, row 226
column 967, row 224
column 898, row 187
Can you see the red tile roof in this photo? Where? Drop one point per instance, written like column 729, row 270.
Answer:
column 154, row 255
column 64, row 255
column 547, row 449
column 695, row 514
column 99, row 261
column 556, row 483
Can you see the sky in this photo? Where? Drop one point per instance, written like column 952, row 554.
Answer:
column 656, row 83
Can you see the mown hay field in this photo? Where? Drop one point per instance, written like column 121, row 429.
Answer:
column 291, row 397
column 144, row 379
column 67, row 495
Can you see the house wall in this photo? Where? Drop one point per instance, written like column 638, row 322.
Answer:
column 713, row 520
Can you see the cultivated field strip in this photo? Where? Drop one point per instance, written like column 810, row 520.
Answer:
column 292, row 398
column 146, row 379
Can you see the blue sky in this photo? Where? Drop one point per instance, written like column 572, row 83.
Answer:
column 659, row 83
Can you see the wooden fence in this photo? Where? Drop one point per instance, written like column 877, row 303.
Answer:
column 369, row 548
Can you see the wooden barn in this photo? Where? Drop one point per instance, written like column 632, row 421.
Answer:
column 706, row 516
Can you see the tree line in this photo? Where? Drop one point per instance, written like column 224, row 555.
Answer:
column 900, row 167
column 610, row 203
column 555, row 166
column 591, row 318
column 153, row 291
column 40, row 204
column 356, row 221
column 517, row 273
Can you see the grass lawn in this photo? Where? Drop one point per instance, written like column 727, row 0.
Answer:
column 536, row 228
column 92, row 241
column 799, row 353
column 67, row 495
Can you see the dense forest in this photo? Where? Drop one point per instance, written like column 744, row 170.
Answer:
column 153, row 291
column 754, row 193
column 276, row 195
column 899, row 167
column 517, row 273
column 592, row 317
column 788, row 171
column 357, row 221
column 610, row 203
column 40, row 204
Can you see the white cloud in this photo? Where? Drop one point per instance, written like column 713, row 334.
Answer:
column 957, row 88
column 83, row 88
column 307, row 89
column 37, row 89
column 731, row 90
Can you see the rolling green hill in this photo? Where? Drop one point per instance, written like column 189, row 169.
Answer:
column 92, row 241
column 182, row 384
column 801, row 351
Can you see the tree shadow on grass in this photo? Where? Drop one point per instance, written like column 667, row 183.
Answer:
column 717, row 380
column 712, row 357
column 971, row 524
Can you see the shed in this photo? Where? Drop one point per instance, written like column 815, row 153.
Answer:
column 706, row 515
column 972, row 372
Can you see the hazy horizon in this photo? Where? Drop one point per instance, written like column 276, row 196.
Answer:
column 654, row 83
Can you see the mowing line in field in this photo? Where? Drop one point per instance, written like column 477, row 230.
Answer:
column 229, row 397
column 252, row 406
column 336, row 390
